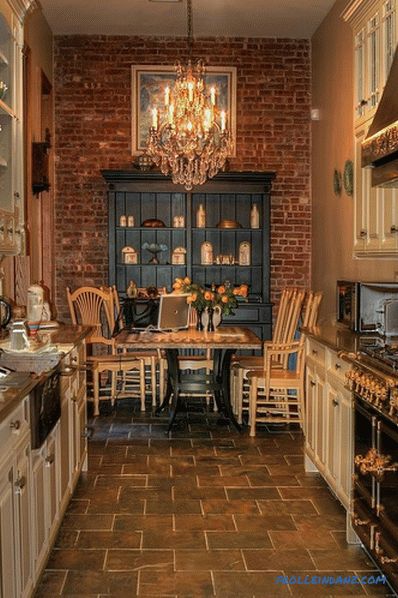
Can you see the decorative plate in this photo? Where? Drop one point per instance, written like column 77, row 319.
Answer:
column 348, row 177
column 337, row 182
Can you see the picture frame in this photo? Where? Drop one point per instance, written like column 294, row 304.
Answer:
column 148, row 85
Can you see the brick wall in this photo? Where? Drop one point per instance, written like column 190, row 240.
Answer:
column 93, row 131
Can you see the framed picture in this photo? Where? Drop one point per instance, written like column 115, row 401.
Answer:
column 149, row 83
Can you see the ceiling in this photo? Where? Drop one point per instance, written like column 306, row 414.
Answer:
column 214, row 18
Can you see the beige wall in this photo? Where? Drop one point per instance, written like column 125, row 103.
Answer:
column 39, row 38
column 332, row 145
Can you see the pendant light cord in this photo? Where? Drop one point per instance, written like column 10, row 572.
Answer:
column 189, row 28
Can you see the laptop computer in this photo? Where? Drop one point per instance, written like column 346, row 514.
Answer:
column 173, row 314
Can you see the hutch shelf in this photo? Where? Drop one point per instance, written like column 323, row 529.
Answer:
column 230, row 197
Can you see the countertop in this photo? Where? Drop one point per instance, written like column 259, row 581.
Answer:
column 223, row 338
column 335, row 337
column 65, row 338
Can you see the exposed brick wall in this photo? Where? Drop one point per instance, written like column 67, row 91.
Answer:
column 93, row 132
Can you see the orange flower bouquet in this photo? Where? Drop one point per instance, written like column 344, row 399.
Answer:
column 225, row 296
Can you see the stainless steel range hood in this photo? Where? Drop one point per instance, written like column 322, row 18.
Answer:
column 380, row 148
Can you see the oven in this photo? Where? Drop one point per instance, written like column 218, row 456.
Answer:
column 45, row 408
column 368, row 306
column 374, row 510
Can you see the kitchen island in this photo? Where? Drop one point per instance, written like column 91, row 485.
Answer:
column 36, row 482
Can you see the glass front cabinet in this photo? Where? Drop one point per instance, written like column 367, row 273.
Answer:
column 375, row 31
column 12, row 230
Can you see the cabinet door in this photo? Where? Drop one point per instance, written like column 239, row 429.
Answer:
column 389, row 220
column 368, row 205
column 320, row 416
column 333, row 433
column 39, row 508
column 7, row 534
column 66, row 436
column 81, row 431
column 23, row 504
column 52, row 476
column 346, row 455
column 11, row 166
column 310, row 394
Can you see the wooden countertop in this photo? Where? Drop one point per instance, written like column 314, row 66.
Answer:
column 228, row 337
column 65, row 337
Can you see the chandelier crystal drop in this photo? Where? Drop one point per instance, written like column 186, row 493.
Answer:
column 189, row 138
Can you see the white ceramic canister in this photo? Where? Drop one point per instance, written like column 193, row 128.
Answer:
column 35, row 303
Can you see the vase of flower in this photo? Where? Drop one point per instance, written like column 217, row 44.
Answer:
column 210, row 325
column 217, row 316
column 199, row 324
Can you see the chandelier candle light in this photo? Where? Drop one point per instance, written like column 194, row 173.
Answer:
column 189, row 138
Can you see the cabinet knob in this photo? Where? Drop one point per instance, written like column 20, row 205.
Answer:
column 337, row 366
column 394, row 229
column 335, row 403
column 363, row 233
column 17, row 195
column 49, row 460
column 314, row 352
column 19, row 484
column 73, row 399
column 363, row 102
column 15, row 426
column 312, row 383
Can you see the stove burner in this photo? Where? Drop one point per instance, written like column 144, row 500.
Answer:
column 378, row 349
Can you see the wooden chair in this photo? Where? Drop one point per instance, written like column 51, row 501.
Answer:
column 276, row 394
column 285, row 328
column 95, row 307
column 149, row 358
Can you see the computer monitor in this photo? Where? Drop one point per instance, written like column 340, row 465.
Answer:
column 173, row 312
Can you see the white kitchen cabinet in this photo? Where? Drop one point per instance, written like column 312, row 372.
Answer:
column 375, row 29
column 12, row 229
column 16, row 564
column 375, row 26
column 328, row 442
column 375, row 211
column 46, row 493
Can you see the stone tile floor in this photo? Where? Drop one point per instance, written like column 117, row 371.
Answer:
column 207, row 512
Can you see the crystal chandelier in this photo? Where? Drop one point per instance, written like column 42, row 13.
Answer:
column 189, row 138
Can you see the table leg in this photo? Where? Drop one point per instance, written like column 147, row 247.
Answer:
column 172, row 378
column 222, row 368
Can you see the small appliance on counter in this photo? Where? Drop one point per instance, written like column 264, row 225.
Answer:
column 368, row 306
column 5, row 312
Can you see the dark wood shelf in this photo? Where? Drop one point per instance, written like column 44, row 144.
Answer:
column 228, row 196
column 152, row 229
column 223, row 266
column 223, row 230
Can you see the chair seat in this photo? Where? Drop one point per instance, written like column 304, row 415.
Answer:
column 284, row 378
column 247, row 362
column 111, row 359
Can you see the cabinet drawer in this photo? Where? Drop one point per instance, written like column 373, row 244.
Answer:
column 337, row 367
column 316, row 352
column 14, row 426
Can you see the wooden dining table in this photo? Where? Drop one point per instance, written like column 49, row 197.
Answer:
column 223, row 342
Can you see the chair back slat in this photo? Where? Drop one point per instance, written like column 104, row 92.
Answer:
column 282, row 312
column 93, row 307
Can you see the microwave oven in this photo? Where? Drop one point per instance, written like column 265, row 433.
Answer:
column 368, row 306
